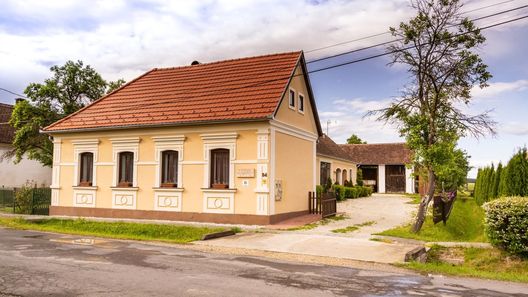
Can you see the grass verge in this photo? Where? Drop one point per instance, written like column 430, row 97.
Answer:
column 119, row 230
column 474, row 262
column 353, row 227
column 322, row 222
column 466, row 223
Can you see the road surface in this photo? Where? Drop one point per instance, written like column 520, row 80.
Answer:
column 45, row 264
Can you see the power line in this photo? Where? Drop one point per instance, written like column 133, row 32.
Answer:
column 387, row 32
column 400, row 39
column 319, row 69
column 410, row 47
column 6, row 90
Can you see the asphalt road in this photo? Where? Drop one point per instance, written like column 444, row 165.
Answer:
column 43, row 264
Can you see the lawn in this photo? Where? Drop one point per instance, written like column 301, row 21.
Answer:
column 120, row 230
column 466, row 223
column 474, row 262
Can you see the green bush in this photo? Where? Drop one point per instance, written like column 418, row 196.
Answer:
column 24, row 199
column 507, row 224
column 359, row 177
column 343, row 192
column 319, row 190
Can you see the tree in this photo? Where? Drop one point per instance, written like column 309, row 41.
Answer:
column 354, row 139
column 516, row 178
column 438, row 47
column 71, row 87
column 494, row 193
column 359, row 177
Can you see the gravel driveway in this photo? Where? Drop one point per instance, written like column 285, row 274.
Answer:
column 380, row 211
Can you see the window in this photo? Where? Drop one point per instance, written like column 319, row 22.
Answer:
column 86, row 176
column 324, row 173
column 292, row 99
column 220, row 168
column 169, row 169
column 301, row 103
column 126, row 169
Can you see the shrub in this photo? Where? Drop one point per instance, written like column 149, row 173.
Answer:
column 24, row 199
column 339, row 192
column 507, row 224
column 319, row 190
column 359, row 177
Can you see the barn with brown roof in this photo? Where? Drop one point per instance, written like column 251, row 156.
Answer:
column 385, row 166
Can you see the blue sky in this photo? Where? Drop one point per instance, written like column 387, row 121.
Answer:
column 122, row 39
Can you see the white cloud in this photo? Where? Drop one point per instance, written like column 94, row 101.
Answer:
column 515, row 128
column 123, row 39
column 496, row 89
column 347, row 117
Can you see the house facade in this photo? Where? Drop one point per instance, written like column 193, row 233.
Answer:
column 334, row 163
column 385, row 166
column 226, row 142
column 26, row 171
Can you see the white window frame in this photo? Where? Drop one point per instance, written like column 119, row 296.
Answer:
column 84, row 146
column 219, row 141
column 168, row 143
column 299, row 96
column 290, row 101
column 120, row 145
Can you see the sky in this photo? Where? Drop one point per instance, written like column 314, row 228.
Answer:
column 122, row 39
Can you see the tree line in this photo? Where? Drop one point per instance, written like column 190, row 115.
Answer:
column 509, row 180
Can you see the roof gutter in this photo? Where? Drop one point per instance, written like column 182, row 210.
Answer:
column 140, row 126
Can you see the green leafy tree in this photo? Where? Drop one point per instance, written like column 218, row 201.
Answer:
column 354, row 139
column 359, row 177
column 503, row 183
column 439, row 48
column 517, row 174
column 71, row 87
column 494, row 193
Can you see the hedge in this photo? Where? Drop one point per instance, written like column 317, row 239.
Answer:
column 343, row 192
column 507, row 224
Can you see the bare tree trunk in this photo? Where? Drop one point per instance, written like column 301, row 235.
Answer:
column 422, row 209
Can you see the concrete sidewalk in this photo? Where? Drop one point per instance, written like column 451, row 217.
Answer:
column 317, row 245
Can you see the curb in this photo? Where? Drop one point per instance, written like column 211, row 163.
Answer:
column 218, row 234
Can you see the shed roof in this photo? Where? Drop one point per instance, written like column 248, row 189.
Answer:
column 328, row 148
column 378, row 153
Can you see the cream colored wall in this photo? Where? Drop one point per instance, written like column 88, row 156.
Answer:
column 192, row 168
column 293, row 117
column 334, row 165
column 16, row 175
column 294, row 167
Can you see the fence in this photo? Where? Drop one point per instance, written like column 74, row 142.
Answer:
column 25, row 200
column 324, row 204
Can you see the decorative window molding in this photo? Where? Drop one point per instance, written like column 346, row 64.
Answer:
column 128, row 144
column 301, row 104
column 219, row 141
column 168, row 143
column 218, row 201
column 291, row 98
column 124, row 198
column 262, row 144
column 84, row 146
column 84, row 197
column 168, row 200
column 55, row 171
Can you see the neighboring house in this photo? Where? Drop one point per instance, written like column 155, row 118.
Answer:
column 333, row 162
column 16, row 175
column 228, row 142
column 384, row 166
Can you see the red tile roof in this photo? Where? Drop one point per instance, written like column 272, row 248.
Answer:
column 6, row 131
column 240, row 89
column 378, row 153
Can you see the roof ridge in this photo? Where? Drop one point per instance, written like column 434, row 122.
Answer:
column 228, row 60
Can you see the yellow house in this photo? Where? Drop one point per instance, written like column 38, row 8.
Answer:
column 334, row 163
column 228, row 142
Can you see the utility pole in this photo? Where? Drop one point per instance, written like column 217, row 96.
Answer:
column 328, row 124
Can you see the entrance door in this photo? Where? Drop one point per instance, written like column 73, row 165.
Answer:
column 395, row 178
